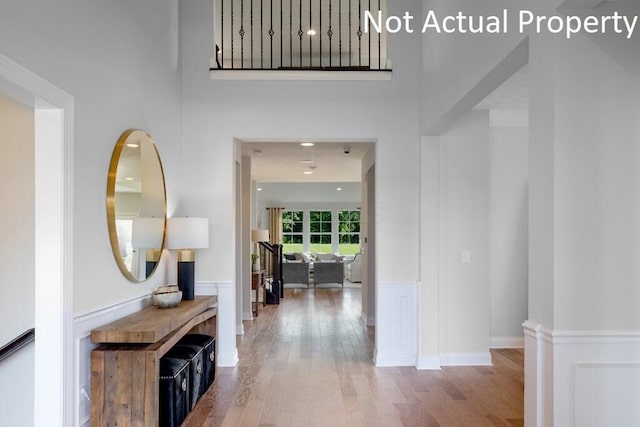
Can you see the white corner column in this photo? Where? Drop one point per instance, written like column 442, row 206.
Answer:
column 225, row 321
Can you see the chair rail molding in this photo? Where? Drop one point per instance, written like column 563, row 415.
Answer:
column 572, row 377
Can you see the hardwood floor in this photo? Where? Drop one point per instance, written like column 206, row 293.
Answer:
column 307, row 362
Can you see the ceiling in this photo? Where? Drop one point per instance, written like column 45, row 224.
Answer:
column 508, row 105
column 277, row 161
column 280, row 161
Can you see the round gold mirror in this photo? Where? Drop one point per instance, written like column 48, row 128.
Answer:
column 136, row 205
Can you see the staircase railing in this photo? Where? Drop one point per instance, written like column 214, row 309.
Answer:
column 273, row 266
column 298, row 35
column 17, row 343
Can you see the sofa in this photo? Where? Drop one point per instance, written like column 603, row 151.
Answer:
column 353, row 269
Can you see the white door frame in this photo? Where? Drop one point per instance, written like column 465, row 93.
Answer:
column 54, row 364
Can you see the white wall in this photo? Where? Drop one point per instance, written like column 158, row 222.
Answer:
column 217, row 111
column 508, row 233
column 17, row 258
column 584, row 204
column 464, row 239
column 454, row 63
column 597, row 192
column 119, row 62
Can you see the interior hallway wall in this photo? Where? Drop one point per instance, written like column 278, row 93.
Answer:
column 464, row 289
column 508, row 233
column 17, row 258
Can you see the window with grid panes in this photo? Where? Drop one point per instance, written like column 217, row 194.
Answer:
column 349, row 232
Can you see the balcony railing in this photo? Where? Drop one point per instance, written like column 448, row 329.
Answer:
column 325, row 35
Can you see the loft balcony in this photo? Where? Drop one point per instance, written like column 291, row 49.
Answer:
column 298, row 39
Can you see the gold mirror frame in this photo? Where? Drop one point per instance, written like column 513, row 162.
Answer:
column 132, row 170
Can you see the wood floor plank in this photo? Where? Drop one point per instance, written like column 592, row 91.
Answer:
column 308, row 362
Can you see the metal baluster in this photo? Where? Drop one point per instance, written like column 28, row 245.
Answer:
column 222, row 31
column 340, row 32
column 261, row 34
column 310, row 38
column 320, row 33
column 300, row 33
column 271, row 32
column 350, row 35
column 379, row 47
column 232, row 64
column 291, row 33
column 330, row 34
column 359, row 32
column 282, row 36
column 251, row 34
column 241, row 32
column 369, row 39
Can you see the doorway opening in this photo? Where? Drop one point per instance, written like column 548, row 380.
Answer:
column 52, row 226
column 324, row 193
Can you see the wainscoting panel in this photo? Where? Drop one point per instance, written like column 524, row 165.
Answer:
column 581, row 378
column 396, row 325
column 603, row 392
column 83, row 324
column 225, row 321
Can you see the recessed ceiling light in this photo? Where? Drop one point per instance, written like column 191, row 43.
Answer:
column 307, row 162
column 307, row 144
column 311, row 32
column 129, row 178
column 259, row 189
column 257, row 153
column 307, row 172
column 132, row 145
column 338, row 189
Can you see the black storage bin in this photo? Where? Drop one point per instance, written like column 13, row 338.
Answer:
column 208, row 344
column 174, row 391
column 192, row 354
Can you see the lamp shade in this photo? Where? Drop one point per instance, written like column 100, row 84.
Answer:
column 147, row 233
column 187, row 233
column 259, row 235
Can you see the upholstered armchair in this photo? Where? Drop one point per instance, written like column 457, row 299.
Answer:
column 353, row 269
column 328, row 272
column 295, row 272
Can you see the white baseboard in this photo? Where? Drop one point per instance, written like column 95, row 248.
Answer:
column 240, row 329
column 506, row 342
column 395, row 359
column 466, row 359
column 429, row 363
column 228, row 360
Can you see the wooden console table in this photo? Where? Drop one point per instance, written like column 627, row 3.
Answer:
column 257, row 282
column 125, row 367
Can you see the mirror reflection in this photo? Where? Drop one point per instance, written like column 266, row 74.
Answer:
column 136, row 205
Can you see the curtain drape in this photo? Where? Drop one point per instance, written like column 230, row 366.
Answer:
column 275, row 225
